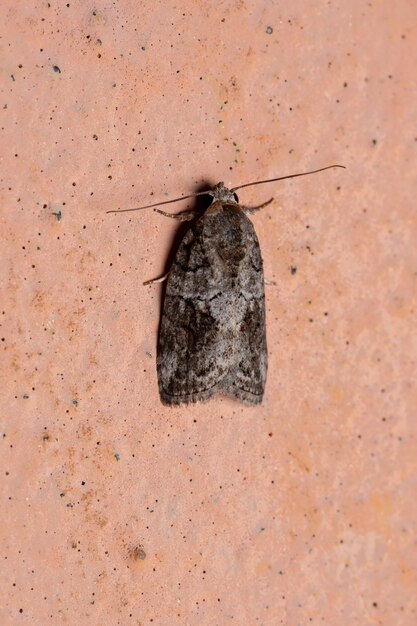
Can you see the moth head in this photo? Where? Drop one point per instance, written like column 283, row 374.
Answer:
column 222, row 194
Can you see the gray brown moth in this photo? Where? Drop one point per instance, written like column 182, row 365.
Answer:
column 212, row 337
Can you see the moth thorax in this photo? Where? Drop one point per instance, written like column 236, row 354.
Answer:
column 221, row 193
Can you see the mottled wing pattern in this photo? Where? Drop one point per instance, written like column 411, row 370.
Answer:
column 192, row 354
column 212, row 336
column 247, row 379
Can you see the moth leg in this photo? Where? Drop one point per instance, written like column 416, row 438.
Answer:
column 269, row 282
column 153, row 281
column 253, row 209
column 183, row 216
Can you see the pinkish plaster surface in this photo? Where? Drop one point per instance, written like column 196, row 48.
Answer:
column 115, row 509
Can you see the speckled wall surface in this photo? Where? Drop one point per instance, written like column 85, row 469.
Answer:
column 115, row 509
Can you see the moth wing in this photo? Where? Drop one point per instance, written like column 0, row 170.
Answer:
column 248, row 378
column 194, row 354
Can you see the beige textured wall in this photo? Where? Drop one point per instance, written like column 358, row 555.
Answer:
column 115, row 509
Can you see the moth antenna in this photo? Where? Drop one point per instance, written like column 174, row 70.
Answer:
column 272, row 180
column 150, row 206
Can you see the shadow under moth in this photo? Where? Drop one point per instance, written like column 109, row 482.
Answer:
column 212, row 337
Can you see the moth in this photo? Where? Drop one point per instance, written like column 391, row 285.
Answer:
column 212, row 336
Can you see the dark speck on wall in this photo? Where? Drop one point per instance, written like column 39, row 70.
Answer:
column 269, row 30
column 56, row 69
column 139, row 553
